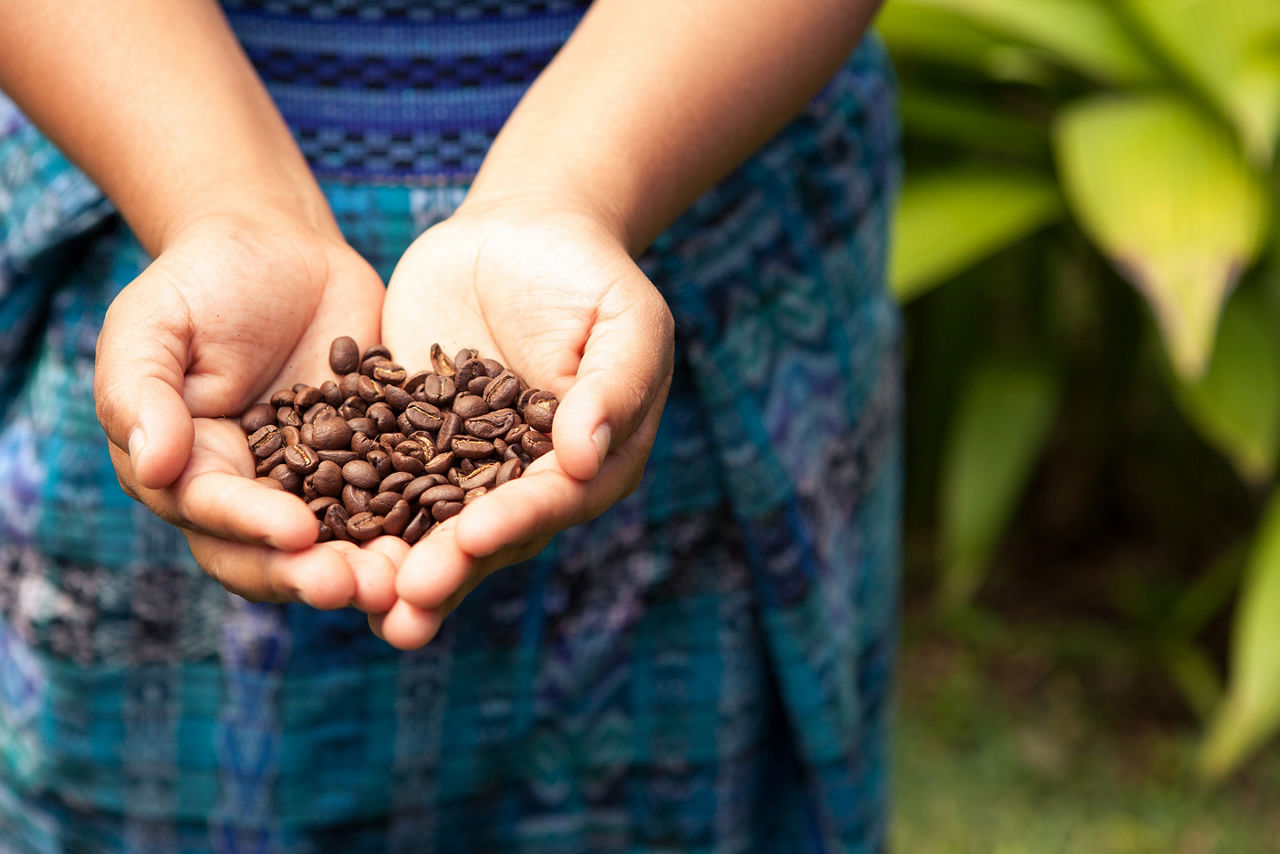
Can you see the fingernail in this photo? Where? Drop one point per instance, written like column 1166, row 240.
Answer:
column 601, row 438
column 137, row 441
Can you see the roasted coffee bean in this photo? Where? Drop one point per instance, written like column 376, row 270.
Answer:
column 309, row 493
column 466, row 466
column 301, row 459
column 344, row 355
column 381, row 504
column 509, row 470
column 361, row 474
column 535, row 443
column 469, row 406
column 281, row 397
column 306, row 397
column 353, row 407
column 331, row 434
column 381, row 462
column 466, row 372
column 292, row 435
column 265, row 441
column 442, row 492
column 375, row 350
column 440, row 463
column 515, row 434
column 492, row 367
column 333, row 397
column 428, row 443
column 308, row 434
column 369, row 390
column 442, row 510
column 499, row 446
column 266, row 464
column 388, row 441
column 397, row 520
column 335, row 519
column 405, row 463
column 540, row 410
column 382, row 416
column 463, row 355
column 438, row 389
column 355, row 500
column 289, row 479
column 364, row 526
column 492, row 424
column 319, row 412
column 362, row 443
column 270, row 482
column 363, row 424
column 453, row 476
column 287, row 416
column 473, row 494
column 421, row 523
column 414, row 381
column 339, row 456
column 324, row 535
column 478, row 385
column 502, row 391
column 258, row 416
column 484, row 475
column 414, row 489
column 321, row 504
column 423, row 416
column 471, row 447
column 327, row 478
column 522, row 399
column 395, row 482
column 450, row 428
column 396, row 397
column 390, row 373
column 347, row 385
column 441, row 362
column 369, row 365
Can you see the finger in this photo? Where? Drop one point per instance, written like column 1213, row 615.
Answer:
column 138, row 376
column 407, row 627
column 434, row 568
column 624, row 372
column 319, row 576
column 375, row 565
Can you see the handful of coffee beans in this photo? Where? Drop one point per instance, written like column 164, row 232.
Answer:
column 383, row 451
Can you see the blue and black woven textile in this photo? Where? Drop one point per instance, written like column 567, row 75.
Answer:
column 704, row 668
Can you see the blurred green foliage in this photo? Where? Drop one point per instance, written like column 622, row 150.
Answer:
column 1062, row 155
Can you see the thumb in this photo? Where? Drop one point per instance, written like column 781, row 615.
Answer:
column 624, row 371
column 138, row 375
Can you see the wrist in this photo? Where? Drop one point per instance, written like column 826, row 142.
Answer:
column 538, row 202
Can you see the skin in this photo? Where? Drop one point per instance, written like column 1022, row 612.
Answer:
column 645, row 107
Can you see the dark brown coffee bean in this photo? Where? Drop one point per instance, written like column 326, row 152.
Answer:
column 450, row 427
column 309, row 493
column 361, row 474
column 502, row 391
column 381, row 504
column 483, row 476
column 466, row 466
column 390, row 373
column 327, row 478
column 413, row 491
column 442, row 510
column 535, row 444
column 469, row 406
column 266, row 464
column 522, row 400
column 499, row 446
column 405, row 463
column 466, row 372
column 287, row 416
column 492, row 367
column 324, row 535
column 381, row 462
column 426, row 441
column 307, row 434
column 289, row 479
column 441, row 362
column 423, row 416
column 353, row 407
column 515, row 452
column 339, row 456
column 282, row 397
column 441, row 492
column 375, row 350
column 439, row 390
column 270, row 482
column 306, row 397
column 397, row 520
column 478, row 385
column 396, row 397
column 259, row 416
column 382, row 416
column 368, row 389
column 362, row 443
column 319, row 412
column 329, row 390
column 369, row 365
column 463, row 355
column 509, row 470
column 388, row 441
column 347, row 384
column 414, row 381
column 301, row 459
column 417, row 528
column 471, row 447
column 292, row 435
column 440, row 463
column 491, row 425
column 395, row 482
column 515, row 434
column 453, row 476
column 355, row 500
column 364, row 526
column 344, row 355
column 331, row 434
column 540, row 411
column 319, row 505
column 364, row 425
column 335, row 519
column 265, row 441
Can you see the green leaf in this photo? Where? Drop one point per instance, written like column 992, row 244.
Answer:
column 1236, row 404
column 950, row 220
column 914, row 30
column 1251, row 711
column 1165, row 192
column 1082, row 34
column 1227, row 49
column 971, row 124
column 1001, row 424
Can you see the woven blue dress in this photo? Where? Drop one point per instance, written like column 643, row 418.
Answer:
column 704, row 668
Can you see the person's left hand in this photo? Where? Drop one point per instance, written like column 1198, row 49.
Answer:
column 551, row 292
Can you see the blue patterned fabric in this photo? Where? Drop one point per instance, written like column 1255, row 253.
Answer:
column 706, row 667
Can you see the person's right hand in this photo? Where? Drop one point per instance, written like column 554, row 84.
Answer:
column 229, row 311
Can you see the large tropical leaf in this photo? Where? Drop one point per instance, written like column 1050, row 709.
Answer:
column 971, row 124
column 1001, row 424
column 1251, row 711
column 1229, row 50
column 1163, row 189
column 949, row 220
column 1236, row 404
column 1081, row 34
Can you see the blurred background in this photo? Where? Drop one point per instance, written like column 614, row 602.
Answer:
column 1089, row 265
